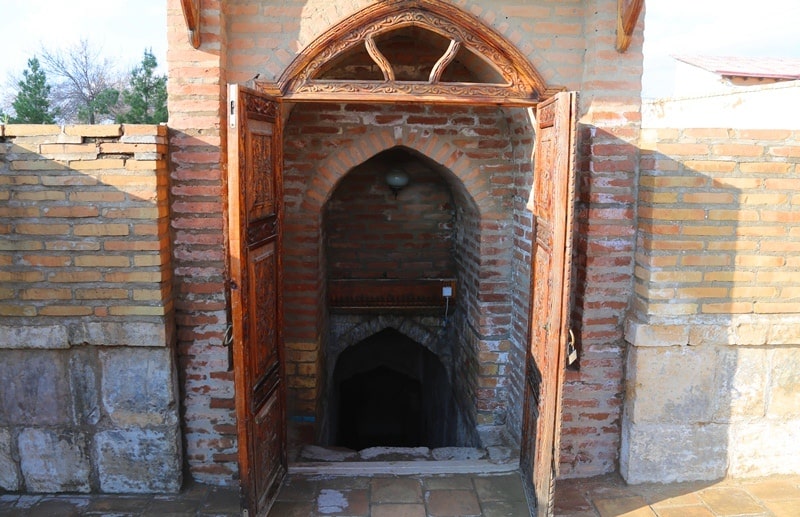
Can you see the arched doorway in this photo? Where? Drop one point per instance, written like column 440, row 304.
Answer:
column 500, row 76
column 390, row 391
column 389, row 256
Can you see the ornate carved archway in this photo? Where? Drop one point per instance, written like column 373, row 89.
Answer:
column 504, row 76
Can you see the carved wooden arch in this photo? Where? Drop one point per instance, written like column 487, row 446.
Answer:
column 522, row 83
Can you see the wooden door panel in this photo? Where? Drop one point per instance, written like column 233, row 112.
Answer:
column 263, row 347
column 269, row 473
column 260, row 181
column 254, row 222
column 552, row 206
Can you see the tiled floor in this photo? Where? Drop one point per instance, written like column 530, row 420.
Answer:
column 608, row 496
column 441, row 495
column 402, row 496
column 195, row 500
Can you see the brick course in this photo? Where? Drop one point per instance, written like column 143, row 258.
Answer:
column 68, row 206
column 739, row 235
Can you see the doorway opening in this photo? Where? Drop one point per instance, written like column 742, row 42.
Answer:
column 476, row 138
column 390, row 391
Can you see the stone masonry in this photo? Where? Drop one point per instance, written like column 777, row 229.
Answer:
column 89, row 396
column 714, row 366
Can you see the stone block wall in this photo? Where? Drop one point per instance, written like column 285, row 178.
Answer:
column 713, row 385
column 89, row 399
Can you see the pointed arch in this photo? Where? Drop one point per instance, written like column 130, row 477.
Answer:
column 439, row 151
column 516, row 81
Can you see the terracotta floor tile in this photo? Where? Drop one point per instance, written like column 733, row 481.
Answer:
column 727, row 500
column 221, row 501
column 624, row 507
column 114, row 504
column 343, row 503
column 398, row 510
column 773, row 490
column 506, row 509
column 787, row 508
column 298, row 489
column 46, row 508
column 396, row 490
column 685, row 511
column 452, row 482
column 689, row 499
column 292, row 509
column 452, row 503
column 507, row 487
column 675, row 494
column 571, row 498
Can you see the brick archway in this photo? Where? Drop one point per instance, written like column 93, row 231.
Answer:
column 444, row 153
column 481, row 163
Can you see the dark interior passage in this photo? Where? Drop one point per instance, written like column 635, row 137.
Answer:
column 380, row 407
column 393, row 392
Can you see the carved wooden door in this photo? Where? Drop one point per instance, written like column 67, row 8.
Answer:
column 552, row 205
column 255, row 163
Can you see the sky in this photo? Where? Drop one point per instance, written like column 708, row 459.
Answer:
column 748, row 28
column 119, row 29
column 123, row 29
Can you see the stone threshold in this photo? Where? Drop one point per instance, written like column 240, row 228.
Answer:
column 337, row 461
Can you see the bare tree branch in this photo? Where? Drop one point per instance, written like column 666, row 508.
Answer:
column 86, row 86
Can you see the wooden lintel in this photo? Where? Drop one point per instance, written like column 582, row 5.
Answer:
column 628, row 12
column 353, row 94
column 191, row 13
column 397, row 97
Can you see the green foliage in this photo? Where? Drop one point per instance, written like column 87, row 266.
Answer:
column 32, row 104
column 102, row 104
column 146, row 96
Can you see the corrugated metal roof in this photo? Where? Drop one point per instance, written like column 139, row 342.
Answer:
column 771, row 68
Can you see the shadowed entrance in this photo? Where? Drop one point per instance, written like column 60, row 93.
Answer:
column 393, row 392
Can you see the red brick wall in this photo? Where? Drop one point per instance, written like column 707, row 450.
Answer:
column 197, row 121
column 323, row 143
column 570, row 43
column 718, row 223
column 609, row 125
column 371, row 234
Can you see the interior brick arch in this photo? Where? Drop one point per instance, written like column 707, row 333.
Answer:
column 427, row 143
column 409, row 327
column 324, row 143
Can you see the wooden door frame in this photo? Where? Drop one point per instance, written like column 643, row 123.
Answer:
column 525, row 88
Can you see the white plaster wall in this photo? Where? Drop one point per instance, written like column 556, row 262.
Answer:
column 773, row 106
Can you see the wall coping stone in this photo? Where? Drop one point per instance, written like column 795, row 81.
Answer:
column 734, row 330
column 105, row 333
